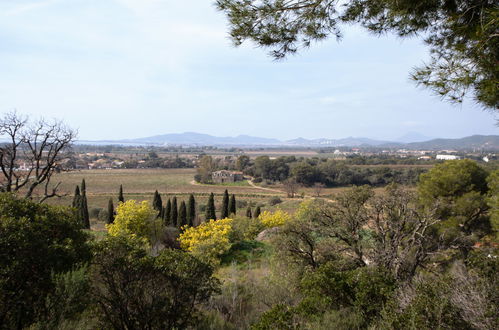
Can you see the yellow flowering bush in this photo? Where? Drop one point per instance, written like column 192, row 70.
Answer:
column 274, row 219
column 207, row 241
column 132, row 219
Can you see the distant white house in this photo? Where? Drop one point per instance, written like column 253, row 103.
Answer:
column 447, row 157
column 486, row 159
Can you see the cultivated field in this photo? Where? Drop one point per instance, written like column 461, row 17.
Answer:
column 140, row 184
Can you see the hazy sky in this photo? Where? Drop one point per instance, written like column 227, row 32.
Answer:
column 133, row 68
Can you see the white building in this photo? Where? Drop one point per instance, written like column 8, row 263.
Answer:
column 447, row 157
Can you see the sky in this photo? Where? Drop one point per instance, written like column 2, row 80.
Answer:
column 119, row 69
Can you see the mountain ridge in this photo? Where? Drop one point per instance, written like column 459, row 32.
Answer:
column 199, row 139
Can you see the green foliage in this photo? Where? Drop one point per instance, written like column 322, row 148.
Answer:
column 191, row 210
column 68, row 301
column 121, row 198
column 457, row 190
column 36, row 243
column 493, row 201
column 110, row 211
column 224, row 213
column 157, row 203
column 174, row 213
column 257, row 213
column 278, row 317
column 167, row 213
column 232, row 205
column 135, row 291
column 210, row 209
column 242, row 252
column 429, row 308
column 244, row 228
column 182, row 215
column 364, row 289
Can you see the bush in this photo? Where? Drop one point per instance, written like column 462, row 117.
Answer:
column 37, row 242
column 244, row 228
column 134, row 220
column 208, row 241
column 274, row 219
column 274, row 201
column 103, row 215
column 134, row 290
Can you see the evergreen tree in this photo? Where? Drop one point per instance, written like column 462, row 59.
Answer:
column 191, row 210
column 84, row 215
column 120, row 195
column 182, row 215
column 248, row 212
column 83, row 187
column 167, row 214
column 257, row 212
column 83, row 210
column 225, row 205
column 76, row 197
column 157, row 203
column 232, row 205
column 110, row 211
column 210, row 208
column 174, row 213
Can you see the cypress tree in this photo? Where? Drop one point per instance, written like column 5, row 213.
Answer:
column 210, row 208
column 257, row 212
column 76, row 197
column 182, row 215
column 157, row 203
column 225, row 205
column 85, row 217
column 248, row 212
column 120, row 195
column 110, row 211
column 167, row 214
column 174, row 213
column 191, row 210
column 232, row 204
column 83, row 187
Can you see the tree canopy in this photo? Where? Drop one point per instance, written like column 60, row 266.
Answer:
column 462, row 35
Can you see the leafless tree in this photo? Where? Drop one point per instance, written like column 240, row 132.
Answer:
column 291, row 187
column 32, row 153
column 318, row 187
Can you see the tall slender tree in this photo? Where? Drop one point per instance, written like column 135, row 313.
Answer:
column 232, row 205
column 76, row 198
column 182, row 215
column 210, row 208
column 248, row 212
column 120, row 195
column 191, row 210
column 85, row 217
column 110, row 211
column 167, row 214
column 257, row 212
column 225, row 205
column 174, row 212
column 157, row 203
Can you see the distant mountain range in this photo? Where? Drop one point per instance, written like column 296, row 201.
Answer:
column 409, row 141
